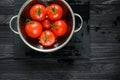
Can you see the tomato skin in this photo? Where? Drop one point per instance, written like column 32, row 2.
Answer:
column 59, row 28
column 54, row 12
column 47, row 38
column 38, row 12
column 46, row 24
column 33, row 29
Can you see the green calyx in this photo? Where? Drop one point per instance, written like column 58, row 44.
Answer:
column 46, row 37
column 54, row 9
column 53, row 26
column 29, row 21
column 38, row 11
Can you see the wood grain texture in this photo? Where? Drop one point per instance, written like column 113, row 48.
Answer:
column 104, row 2
column 104, row 63
column 52, row 70
column 6, row 2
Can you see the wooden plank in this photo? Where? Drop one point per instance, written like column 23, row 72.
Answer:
column 100, row 51
column 4, row 19
column 6, row 2
column 5, row 28
column 104, row 51
column 58, row 76
column 25, row 69
column 105, row 2
column 104, row 15
column 105, row 48
column 105, row 35
column 53, row 66
column 6, row 34
column 7, row 10
column 6, row 40
column 6, row 48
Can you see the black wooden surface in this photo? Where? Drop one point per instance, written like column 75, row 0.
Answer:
column 104, row 63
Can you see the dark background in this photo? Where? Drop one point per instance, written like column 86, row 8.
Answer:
column 104, row 63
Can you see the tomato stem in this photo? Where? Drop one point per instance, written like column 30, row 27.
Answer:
column 38, row 11
column 29, row 21
column 53, row 9
column 45, row 38
column 53, row 26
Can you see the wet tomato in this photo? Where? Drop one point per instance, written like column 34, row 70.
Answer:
column 38, row 12
column 59, row 28
column 54, row 12
column 33, row 29
column 47, row 38
column 46, row 24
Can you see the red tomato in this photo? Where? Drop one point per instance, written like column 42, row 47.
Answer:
column 47, row 38
column 54, row 12
column 33, row 29
column 59, row 28
column 38, row 12
column 46, row 24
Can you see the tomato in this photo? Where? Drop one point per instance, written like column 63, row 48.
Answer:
column 33, row 29
column 46, row 24
column 47, row 38
column 59, row 28
column 38, row 12
column 54, row 12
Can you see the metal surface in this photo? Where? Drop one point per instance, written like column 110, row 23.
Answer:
column 10, row 24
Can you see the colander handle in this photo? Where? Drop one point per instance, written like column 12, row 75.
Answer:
column 10, row 24
column 80, row 24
